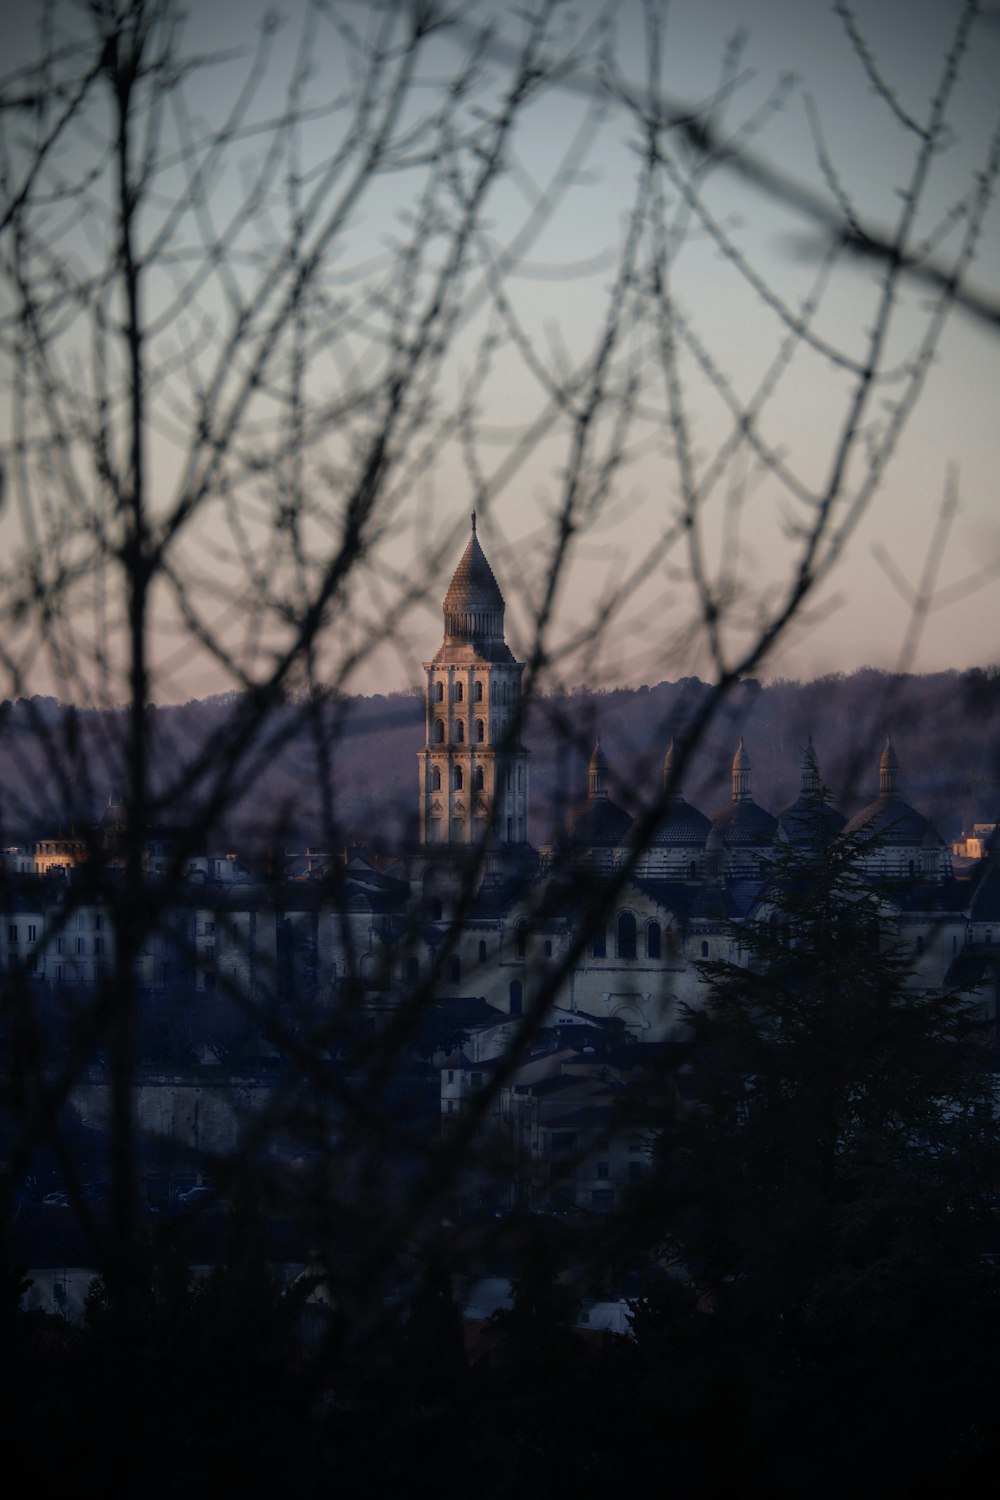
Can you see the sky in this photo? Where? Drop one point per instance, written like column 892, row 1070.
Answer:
column 797, row 101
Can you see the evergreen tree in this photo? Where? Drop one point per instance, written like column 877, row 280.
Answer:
column 831, row 1185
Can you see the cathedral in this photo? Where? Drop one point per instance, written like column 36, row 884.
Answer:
column 605, row 924
column 610, row 918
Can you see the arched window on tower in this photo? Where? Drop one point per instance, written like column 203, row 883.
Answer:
column 480, row 779
column 439, row 692
column 493, row 691
column 626, row 935
column 459, row 692
column 653, row 944
column 460, row 733
column 480, row 731
column 482, row 951
column 458, row 778
column 479, row 691
column 439, row 731
column 436, row 779
column 522, row 938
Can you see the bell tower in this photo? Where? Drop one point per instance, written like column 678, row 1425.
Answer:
column 473, row 767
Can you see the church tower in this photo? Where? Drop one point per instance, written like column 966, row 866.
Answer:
column 473, row 767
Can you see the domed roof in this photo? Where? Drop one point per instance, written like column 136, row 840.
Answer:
column 473, row 604
column 810, row 816
column 597, row 822
column 473, row 612
column 888, row 818
column 681, row 825
column 744, row 822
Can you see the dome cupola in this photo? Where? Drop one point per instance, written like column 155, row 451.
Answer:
column 473, row 605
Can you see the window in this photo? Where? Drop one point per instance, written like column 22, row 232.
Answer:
column 704, row 950
column 81, row 945
column 626, row 935
column 459, row 692
column 32, row 932
column 439, row 692
column 603, row 1169
column 61, row 945
column 522, row 938
column 439, row 731
column 451, row 1075
column 479, row 692
column 480, row 731
column 454, row 968
column 599, row 947
column 98, row 945
column 692, row 871
column 476, row 1079
column 12, row 934
column 653, row 946
column 516, row 997
column 548, row 947
column 480, row 779
column 460, row 733
column 482, row 951
column 458, row 778
column 436, row 779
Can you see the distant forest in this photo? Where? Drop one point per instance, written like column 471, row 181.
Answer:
column 945, row 726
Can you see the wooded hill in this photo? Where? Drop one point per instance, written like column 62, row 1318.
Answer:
column 60, row 766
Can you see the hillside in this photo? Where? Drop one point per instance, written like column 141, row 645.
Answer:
column 59, row 765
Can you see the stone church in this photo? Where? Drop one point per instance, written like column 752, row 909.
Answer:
column 609, row 919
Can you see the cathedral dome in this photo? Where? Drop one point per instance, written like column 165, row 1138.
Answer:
column 473, row 605
column 681, row 826
column 810, row 816
column 888, row 818
column 742, row 821
column 598, row 822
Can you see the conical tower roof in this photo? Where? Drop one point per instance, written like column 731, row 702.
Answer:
column 473, row 610
column 473, row 604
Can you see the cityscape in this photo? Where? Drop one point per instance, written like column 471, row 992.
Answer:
column 500, row 732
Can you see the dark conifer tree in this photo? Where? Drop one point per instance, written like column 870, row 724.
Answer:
column 830, row 1187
